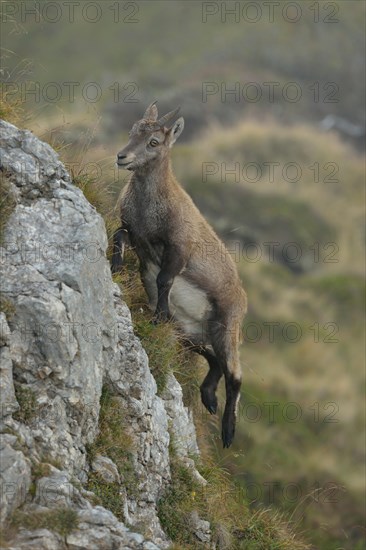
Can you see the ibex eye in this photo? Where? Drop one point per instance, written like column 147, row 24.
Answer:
column 154, row 142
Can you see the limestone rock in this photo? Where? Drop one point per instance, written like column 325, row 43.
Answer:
column 15, row 476
column 70, row 334
column 181, row 419
column 39, row 539
column 106, row 469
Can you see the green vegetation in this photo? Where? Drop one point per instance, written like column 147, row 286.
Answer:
column 344, row 294
column 101, row 199
column 60, row 520
column 114, row 443
column 27, row 404
column 161, row 346
column 11, row 108
column 41, row 469
column 7, row 203
column 6, row 306
column 224, row 505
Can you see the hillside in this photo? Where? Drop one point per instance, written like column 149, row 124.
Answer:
column 90, row 441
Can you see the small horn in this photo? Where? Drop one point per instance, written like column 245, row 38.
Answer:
column 164, row 119
column 151, row 112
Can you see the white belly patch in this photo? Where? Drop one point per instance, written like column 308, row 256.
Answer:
column 187, row 303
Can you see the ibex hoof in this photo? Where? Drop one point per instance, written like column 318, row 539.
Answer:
column 209, row 400
column 160, row 317
column 116, row 266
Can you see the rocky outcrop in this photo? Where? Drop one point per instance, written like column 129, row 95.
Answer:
column 68, row 334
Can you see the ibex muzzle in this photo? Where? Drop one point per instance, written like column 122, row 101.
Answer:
column 187, row 272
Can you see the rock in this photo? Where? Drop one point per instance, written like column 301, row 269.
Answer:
column 9, row 404
column 181, row 419
column 200, row 527
column 100, row 529
column 70, row 334
column 147, row 421
column 4, row 330
column 57, row 491
column 190, row 465
column 106, row 469
column 15, row 476
column 39, row 539
column 222, row 539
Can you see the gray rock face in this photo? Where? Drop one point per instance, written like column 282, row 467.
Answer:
column 70, row 334
column 181, row 419
column 15, row 475
column 106, row 469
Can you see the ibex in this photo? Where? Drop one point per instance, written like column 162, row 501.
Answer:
column 187, row 272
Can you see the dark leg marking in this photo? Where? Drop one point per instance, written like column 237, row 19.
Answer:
column 225, row 339
column 119, row 240
column 171, row 265
column 229, row 418
column 164, row 283
column 210, row 383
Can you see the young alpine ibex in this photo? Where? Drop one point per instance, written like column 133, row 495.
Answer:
column 187, row 272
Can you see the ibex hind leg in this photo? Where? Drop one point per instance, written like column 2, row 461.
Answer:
column 225, row 342
column 210, row 383
column 233, row 385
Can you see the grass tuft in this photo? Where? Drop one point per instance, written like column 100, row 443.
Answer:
column 60, row 520
column 113, row 442
column 7, row 203
column 7, row 306
column 27, row 404
column 11, row 108
column 222, row 503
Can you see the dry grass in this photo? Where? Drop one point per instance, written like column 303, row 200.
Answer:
column 11, row 109
column 61, row 520
column 225, row 506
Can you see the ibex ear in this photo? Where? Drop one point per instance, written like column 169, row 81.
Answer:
column 175, row 131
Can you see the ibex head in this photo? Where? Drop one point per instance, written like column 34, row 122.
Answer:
column 150, row 139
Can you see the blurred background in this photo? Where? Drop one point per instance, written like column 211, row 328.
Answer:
column 273, row 154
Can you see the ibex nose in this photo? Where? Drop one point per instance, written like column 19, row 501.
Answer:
column 125, row 159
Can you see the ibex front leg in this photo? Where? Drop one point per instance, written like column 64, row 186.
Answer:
column 172, row 264
column 120, row 239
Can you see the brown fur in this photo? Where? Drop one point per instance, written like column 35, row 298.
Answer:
column 182, row 260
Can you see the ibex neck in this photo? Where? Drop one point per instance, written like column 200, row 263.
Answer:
column 155, row 175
